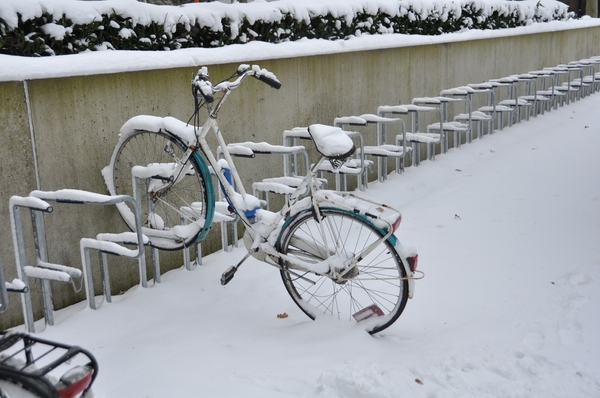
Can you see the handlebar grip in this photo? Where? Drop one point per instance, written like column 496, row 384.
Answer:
column 261, row 74
column 276, row 84
column 202, row 85
column 205, row 88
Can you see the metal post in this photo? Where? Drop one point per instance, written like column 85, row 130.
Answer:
column 3, row 294
column 20, row 259
column 105, row 276
column 39, row 238
column 87, row 274
column 198, row 247
column 137, row 211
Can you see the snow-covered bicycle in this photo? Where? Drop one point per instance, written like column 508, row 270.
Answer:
column 337, row 252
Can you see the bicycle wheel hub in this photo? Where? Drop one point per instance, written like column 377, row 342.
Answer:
column 347, row 269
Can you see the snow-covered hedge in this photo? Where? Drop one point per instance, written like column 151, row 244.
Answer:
column 54, row 27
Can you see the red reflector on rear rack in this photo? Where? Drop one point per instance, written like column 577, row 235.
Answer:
column 396, row 224
column 413, row 262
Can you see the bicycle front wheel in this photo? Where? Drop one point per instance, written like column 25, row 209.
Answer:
column 376, row 291
column 163, row 209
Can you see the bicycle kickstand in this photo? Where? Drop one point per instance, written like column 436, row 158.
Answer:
column 230, row 272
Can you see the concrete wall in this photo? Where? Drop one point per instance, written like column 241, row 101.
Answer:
column 76, row 119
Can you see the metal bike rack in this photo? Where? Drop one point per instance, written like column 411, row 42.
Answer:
column 45, row 271
column 350, row 168
column 104, row 243
column 139, row 173
column 16, row 286
column 383, row 149
column 3, row 290
column 283, row 185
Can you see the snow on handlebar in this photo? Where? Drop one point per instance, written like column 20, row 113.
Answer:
column 261, row 74
column 202, row 85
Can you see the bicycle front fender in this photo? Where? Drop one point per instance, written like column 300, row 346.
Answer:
column 183, row 131
column 185, row 134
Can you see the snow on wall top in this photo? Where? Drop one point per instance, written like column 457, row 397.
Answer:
column 103, row 62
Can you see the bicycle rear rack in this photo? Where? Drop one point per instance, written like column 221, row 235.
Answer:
column 32, row 364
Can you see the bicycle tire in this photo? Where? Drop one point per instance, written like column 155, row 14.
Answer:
column 143, row 147
column 15, row 384
column 380, row 280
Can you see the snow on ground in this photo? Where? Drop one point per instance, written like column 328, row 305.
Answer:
column 507, row 230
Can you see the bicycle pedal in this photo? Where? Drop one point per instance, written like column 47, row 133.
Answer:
column 228, row 275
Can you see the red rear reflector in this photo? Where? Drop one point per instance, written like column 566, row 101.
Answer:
column 77, row 387
column 396, row 224
column 413, row 262
column 368, row 312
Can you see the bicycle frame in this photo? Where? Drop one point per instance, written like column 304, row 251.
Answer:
column 247, row 214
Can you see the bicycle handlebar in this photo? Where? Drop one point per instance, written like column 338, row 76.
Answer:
column 202, row 85
column 261, row 74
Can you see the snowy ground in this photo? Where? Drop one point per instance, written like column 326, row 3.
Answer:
column 507, row 231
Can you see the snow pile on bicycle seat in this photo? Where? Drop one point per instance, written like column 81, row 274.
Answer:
column 331, row 141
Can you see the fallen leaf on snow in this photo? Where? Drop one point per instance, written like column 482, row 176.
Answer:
column 281, row 316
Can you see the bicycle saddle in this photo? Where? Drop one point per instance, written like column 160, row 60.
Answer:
column 332, row 142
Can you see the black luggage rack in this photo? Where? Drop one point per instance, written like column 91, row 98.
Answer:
column 45, row 368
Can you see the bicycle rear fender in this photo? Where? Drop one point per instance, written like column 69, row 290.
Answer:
column 382, row 217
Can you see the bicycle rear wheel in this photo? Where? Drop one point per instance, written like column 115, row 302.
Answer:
column 376, row 292
column 163, row 210
column 13, row 385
